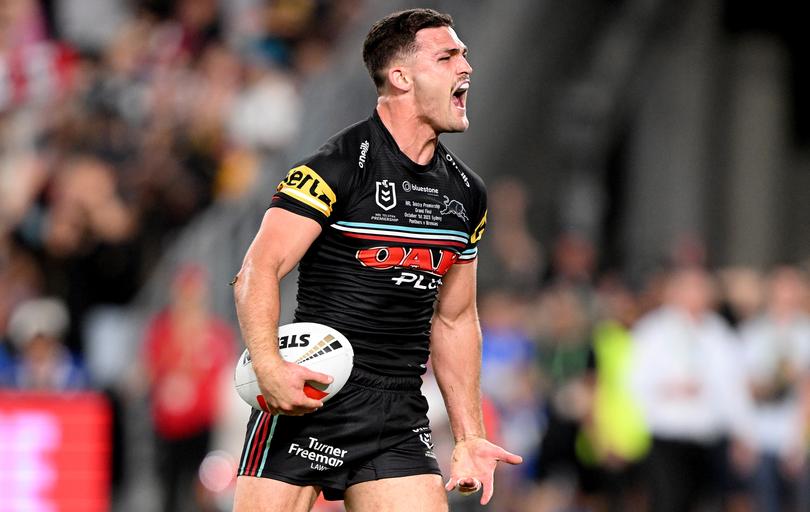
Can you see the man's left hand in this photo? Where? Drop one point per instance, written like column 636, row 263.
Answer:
column 473, row 466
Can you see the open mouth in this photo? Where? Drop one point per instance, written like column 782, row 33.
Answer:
column 460, row 95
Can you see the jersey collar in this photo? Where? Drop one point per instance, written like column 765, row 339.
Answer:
column 402, row 157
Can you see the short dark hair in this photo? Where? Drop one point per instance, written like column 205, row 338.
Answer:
column 396, row 34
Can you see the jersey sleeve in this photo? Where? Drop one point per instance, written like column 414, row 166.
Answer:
column 478, row 224
column 314, row 188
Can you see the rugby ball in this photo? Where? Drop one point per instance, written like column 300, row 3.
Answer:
column 315, row 346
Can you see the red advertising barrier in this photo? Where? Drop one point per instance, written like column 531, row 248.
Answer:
column 54, row 452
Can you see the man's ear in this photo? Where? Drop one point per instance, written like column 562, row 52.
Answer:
column 400, row 79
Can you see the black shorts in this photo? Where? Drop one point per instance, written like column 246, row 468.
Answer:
column 376, row 427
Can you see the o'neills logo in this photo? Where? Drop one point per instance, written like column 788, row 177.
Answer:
column 463, row 176
column 322, row 455
column 363, row 150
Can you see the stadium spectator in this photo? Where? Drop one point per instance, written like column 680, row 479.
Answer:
column 566, row 366
column 42, row 362
column 742, row 293
column 510, row 382
column 614, row 440
column 188, row 353
column 777, row 350
column 20, row 279
column 509, row 374
column 515, row 257
column 687, row 375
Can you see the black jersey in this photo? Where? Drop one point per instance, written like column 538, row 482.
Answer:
column 391, row 230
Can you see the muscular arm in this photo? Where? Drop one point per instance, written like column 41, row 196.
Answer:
column 455, row 344
column 455, row 347
column 282, row 240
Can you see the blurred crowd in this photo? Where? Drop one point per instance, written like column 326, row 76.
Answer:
column 122, row 120
column 684, row 389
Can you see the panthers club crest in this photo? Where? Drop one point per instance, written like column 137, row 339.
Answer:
column 386, row 195
column 453, row 207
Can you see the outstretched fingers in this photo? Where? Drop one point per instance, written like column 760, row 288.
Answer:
column 488, row 483
column 489, row 490
column 508, row 457
column 474, row 469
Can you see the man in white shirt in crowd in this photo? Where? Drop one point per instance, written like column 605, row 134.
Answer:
column 687, row 374
column 777, row 358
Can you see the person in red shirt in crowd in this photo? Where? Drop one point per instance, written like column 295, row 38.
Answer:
column 187, row 351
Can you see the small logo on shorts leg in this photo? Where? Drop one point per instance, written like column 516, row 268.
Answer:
column 426, row 439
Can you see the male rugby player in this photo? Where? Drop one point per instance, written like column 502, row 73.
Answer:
column 384, row 223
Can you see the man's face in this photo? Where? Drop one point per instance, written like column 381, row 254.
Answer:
column 441, row 77
column 692, row 290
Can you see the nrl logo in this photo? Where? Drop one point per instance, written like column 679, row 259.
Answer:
column 426, row 439
column 453, row 207
column 386, row 195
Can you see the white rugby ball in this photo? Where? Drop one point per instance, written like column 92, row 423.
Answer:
column 315, row 346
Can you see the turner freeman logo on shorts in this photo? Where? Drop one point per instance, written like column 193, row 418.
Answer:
column 453, row 207
column 306, row 186
column 322, row 456
column 386, row 195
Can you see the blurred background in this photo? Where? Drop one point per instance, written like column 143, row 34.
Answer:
column 643, row 288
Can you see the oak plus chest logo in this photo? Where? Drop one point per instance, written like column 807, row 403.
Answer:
column 386, row 195
column 435, row 262
column 453, row 207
